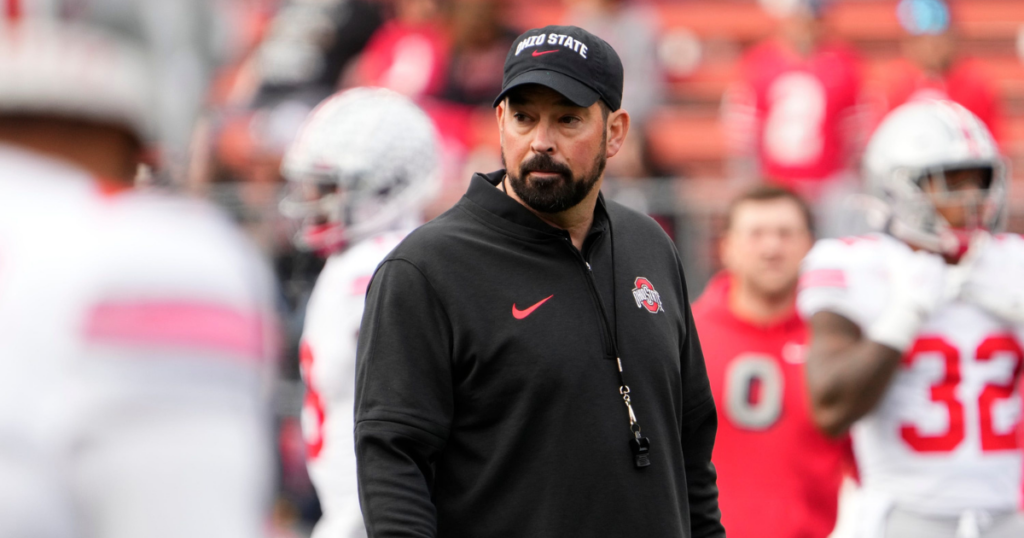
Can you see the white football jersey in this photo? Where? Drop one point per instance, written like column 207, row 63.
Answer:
column 136, row 332
column 943, row 439
column 328, row 358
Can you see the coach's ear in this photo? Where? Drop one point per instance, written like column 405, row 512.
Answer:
column 499, row 114
column 617, row 129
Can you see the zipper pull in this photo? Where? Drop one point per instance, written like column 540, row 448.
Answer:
column 588, row 266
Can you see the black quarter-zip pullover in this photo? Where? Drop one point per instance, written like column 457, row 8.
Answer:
column 487, row 391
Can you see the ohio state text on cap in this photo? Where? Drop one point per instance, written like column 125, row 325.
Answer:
column 570, row 60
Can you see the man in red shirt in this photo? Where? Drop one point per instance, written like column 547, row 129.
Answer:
column 931, row 67
column 794, row 109
column 779, row 477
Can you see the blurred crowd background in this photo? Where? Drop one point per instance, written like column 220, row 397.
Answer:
column 723, row 94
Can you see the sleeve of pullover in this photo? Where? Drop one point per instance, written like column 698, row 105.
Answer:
column 403, row 403
column 700, row 423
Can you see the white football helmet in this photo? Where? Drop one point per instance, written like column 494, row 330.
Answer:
column 365, row 161
column 921, row 141
column 142, row 64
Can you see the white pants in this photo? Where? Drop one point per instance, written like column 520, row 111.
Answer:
column 864, row 514
column 971, row 524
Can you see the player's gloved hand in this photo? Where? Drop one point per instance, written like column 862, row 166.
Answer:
column 999, row 290
column 917, row 287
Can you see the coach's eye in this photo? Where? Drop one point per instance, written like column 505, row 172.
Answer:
column 520, row 117
column 570, row 120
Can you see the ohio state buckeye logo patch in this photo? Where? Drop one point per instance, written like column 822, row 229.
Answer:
column 646, row 296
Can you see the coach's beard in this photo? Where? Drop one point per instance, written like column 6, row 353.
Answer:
column 553, row 194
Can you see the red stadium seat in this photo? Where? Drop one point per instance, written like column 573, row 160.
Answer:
column 706, row 84
column 679, row 139
column 737, row 21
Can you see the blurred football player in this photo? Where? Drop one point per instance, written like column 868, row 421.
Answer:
column 361, row 171
column 135, row 327
column 916, row 333
column 754, row 345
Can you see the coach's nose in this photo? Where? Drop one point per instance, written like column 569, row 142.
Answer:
column 544, row 138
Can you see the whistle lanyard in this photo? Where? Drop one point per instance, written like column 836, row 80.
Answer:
column 638, row 444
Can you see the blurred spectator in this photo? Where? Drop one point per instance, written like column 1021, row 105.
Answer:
column 632, row 30
column 754, row 345
column 311, row 43
column 409, row 53
column 931, row 67
column 794, row 116
column 293, row 58
column 479, row 44
column 298, row 63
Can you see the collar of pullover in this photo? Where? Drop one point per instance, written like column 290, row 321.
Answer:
column 500, row 209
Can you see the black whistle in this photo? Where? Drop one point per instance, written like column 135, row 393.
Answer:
column 641, row 447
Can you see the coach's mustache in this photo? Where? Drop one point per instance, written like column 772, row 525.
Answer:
column 543, row 162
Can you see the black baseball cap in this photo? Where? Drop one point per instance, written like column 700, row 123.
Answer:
column 570, row 60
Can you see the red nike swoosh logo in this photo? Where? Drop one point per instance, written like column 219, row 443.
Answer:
column 520, row 314
column 540, row 52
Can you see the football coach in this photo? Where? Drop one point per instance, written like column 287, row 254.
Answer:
column 527, row 363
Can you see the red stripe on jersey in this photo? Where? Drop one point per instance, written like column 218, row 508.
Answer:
column 823, row 278
column 205, row 326
column 110, row 188
column 854, row 239
column 13, row 10
column 360, row 285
